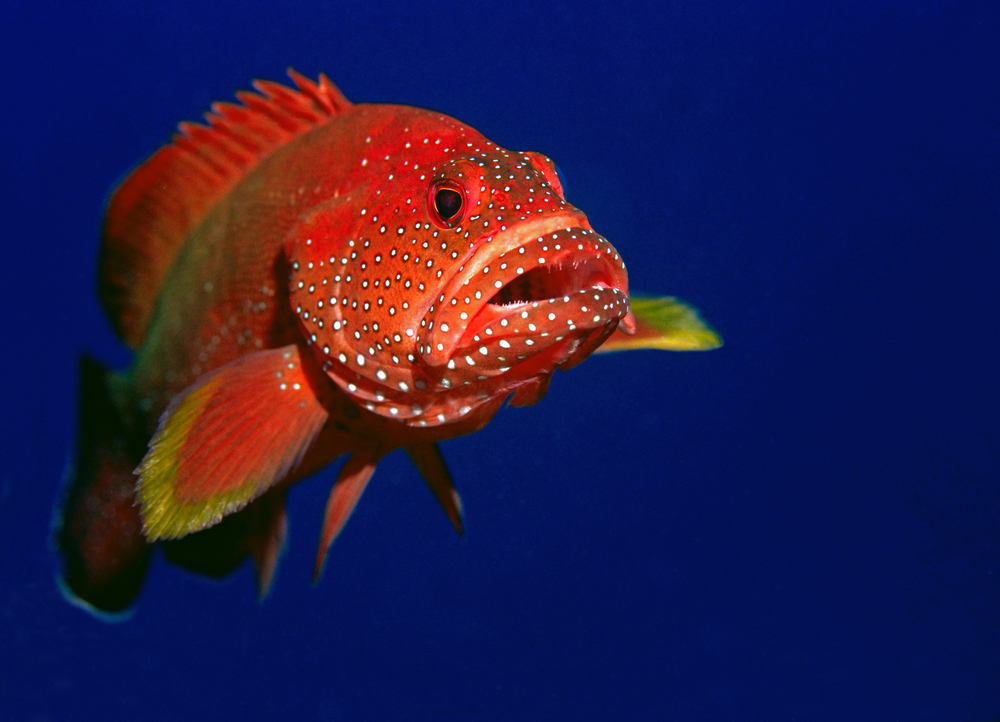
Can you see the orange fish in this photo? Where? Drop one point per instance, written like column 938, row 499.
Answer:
column 303, row 278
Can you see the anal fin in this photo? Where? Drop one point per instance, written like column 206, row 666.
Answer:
column 268, row 543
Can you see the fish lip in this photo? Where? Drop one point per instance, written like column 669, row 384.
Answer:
column 582, row 247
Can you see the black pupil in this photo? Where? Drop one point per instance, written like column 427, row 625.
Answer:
column 448, row 203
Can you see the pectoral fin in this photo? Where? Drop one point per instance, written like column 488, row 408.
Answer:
column 664, row 323
column 225, row 440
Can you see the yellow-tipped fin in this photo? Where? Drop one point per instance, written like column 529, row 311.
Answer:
column 665, row 323
column 227, row 439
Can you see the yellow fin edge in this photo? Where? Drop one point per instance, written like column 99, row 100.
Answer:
column 164, row 516
column 665, row 323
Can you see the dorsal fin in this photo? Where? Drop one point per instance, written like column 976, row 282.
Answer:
column 154, row 210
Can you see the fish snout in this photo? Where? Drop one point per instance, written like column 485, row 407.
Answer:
column 548, row 285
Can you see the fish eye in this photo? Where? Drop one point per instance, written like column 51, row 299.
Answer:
column 447, row 201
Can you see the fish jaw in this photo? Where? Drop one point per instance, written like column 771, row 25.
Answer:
column 563, row 290
column 525, row 290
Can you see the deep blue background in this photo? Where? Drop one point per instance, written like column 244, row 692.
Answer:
column 804, row 524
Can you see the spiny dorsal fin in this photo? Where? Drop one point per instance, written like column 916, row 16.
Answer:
column 152, row 213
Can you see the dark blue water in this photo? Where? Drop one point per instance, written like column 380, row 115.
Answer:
column 803, row 525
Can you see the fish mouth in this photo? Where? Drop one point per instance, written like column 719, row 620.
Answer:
column 549, row 286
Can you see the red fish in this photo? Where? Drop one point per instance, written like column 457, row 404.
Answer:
column 303, row 278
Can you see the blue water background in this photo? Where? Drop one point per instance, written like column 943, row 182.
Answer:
column 803, row 525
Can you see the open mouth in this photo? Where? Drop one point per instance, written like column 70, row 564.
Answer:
column 551, row 283
column 538, row 284
column 527, row 288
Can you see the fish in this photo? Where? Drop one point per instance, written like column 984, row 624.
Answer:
column 303, row 278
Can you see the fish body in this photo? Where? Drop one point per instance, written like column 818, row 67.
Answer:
column 304, row 278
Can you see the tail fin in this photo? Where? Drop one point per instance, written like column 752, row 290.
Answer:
column 99, row 531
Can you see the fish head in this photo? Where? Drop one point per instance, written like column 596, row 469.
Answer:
column 456, row 276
